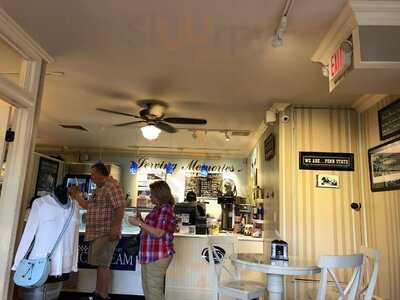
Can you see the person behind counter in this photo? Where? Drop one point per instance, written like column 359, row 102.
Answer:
column 156, row 240
column 105, row 211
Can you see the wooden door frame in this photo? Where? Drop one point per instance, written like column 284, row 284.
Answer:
column 26, row 99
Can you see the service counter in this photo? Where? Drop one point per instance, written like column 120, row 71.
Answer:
column 188, row 274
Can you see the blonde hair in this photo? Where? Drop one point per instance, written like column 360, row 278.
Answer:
column 162, row 192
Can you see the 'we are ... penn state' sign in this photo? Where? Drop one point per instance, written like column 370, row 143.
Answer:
column 326, row 161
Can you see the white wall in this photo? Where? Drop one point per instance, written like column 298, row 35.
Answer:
column 382, row 211
column 234, row 169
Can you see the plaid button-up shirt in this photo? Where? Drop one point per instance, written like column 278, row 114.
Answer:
column 101, row 209
column 152, row 248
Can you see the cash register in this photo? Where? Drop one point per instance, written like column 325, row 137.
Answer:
column 192, row 214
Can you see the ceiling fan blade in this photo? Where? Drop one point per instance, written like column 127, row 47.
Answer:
column 128, row 123
column 116, row 112
column 185, row 121
column 165, row 127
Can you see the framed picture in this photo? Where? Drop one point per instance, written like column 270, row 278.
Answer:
column 269, row 147
column 328, row 181
column 384, row 166
column 389, row 120
column 47, row 176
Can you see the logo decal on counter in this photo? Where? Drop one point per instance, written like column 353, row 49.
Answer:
column 218, row 255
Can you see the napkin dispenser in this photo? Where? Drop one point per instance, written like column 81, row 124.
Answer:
column 279, row 250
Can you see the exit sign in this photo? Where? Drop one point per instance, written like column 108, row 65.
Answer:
column 340, row 61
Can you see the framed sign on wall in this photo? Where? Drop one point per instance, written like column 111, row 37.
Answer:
column 389, row 120
column 384, row 166
column 269, row 147
column 326, row 161
column 47, row 176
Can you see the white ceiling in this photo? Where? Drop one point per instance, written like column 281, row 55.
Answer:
column 206, row 59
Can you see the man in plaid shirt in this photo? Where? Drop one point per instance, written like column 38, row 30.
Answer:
column 105, row 211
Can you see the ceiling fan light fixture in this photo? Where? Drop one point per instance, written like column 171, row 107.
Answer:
column 150, row 132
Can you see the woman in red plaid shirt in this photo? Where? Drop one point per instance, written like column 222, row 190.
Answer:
column 156, row 240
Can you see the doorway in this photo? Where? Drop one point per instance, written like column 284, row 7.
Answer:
column 22, row 65
column 5, row 131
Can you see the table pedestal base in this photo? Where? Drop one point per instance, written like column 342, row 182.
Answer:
column 275, row 286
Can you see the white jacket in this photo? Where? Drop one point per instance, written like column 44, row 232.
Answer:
column 45, row 223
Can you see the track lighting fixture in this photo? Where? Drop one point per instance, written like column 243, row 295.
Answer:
column 277, row 39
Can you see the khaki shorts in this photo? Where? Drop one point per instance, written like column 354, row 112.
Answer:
column 101, row 251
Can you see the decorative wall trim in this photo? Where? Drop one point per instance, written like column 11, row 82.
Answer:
column 14, row 94
column 11, row 32
column 367, row 101
column 185, row 153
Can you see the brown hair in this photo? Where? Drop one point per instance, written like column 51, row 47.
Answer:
column 162, row 192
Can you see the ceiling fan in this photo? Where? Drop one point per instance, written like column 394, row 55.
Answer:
column 153, row 113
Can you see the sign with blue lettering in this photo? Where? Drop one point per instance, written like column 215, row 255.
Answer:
column 326, row 161
column 124, row 256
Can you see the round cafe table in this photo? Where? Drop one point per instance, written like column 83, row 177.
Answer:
column 275, row 270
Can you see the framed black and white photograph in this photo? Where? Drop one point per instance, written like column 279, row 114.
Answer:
column 328, row 181
column 384, row 166
column 47, row 176
column 389, row 120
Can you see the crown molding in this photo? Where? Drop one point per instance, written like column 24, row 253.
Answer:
column 380, row 13
column 13, row 34
column 340, row 30
column 354, row 14
column 367, row 101
column 141, row 151
column 258, row 134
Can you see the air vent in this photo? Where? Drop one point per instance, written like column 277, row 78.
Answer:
column 76, row 127
column 241, row 133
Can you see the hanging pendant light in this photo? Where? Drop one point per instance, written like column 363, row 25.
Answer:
column 133, row 167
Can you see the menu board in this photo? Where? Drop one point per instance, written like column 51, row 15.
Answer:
column 389, row 120
column 203, row 186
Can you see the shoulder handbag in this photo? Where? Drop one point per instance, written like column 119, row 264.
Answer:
column 34, row 272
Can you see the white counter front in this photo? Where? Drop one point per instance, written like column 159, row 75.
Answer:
column 190, row 275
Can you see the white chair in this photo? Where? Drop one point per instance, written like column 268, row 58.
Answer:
column 234, row 287
column 328, row 264
column 371, row 257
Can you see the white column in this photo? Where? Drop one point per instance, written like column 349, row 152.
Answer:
column 275, row 287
